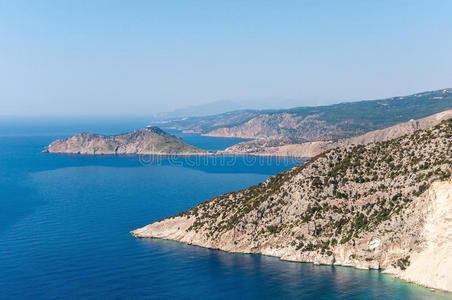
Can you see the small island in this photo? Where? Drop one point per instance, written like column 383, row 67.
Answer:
column 149, row 140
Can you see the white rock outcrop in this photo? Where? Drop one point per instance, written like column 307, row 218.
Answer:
column 432, row 267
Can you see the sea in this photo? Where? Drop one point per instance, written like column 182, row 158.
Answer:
column 65, row 223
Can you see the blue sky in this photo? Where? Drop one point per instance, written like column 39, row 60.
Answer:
column 141, row 57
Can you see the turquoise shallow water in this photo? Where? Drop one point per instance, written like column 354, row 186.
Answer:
column 65, row 220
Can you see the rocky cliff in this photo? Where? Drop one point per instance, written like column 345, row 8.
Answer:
column 283, row 147
column 150, row 140
column 432, row 265
column 380, row 206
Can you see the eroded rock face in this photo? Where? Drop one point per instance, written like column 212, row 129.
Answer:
column 432, row 266
column 151, row 140
column 385, row 205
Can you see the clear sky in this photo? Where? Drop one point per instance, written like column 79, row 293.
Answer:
column 141, row 57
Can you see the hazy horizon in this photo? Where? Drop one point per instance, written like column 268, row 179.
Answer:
column 113, row 58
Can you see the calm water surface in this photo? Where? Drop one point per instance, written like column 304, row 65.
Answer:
column 65, row 222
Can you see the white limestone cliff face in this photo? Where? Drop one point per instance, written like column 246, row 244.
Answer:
column 432, row 266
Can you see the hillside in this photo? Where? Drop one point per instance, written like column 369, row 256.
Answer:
column 385, row 205
column 150, row 140
column 285, row 147
column 319, row 123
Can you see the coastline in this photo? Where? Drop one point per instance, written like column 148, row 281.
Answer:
column 382, row 271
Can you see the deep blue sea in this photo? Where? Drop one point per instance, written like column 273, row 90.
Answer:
column 65, row 222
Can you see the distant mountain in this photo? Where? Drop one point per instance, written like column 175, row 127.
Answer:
column 318, row 123
column 224, row 106
column 150, row 140
column 213, row 108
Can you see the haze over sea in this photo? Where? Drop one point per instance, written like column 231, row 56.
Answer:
column 65, row 222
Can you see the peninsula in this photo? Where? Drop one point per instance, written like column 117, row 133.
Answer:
column 385, row 205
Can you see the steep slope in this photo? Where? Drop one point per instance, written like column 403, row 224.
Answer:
column 432, row 266
column 281, row 147
column 150, row 140
column 320, row 123
column 362, row 206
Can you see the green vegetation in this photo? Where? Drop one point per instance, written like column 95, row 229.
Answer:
column 336, row 197
column 402, row 263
